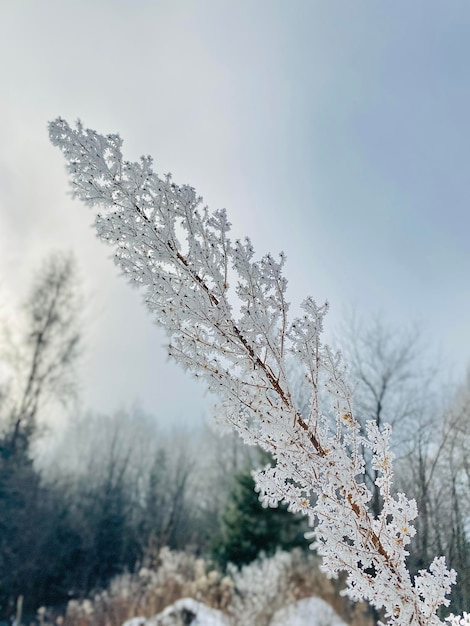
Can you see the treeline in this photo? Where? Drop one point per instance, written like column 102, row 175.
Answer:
column 103, row 494
column 113, row 493
column 113, row 490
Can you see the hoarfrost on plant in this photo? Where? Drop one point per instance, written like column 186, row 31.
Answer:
column 226, row 316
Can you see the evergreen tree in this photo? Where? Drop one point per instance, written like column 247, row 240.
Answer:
column 247, row 528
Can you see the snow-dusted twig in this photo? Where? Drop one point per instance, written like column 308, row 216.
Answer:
column 227, row 318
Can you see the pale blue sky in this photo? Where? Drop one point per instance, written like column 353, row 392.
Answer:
column 335, row 131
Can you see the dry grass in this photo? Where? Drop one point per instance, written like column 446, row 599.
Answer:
column 249, row 595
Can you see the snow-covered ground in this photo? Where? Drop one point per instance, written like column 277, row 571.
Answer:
column 184, row 612
column 307, row 612
column 189, row 612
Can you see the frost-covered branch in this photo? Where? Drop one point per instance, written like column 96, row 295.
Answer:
column 226, row 315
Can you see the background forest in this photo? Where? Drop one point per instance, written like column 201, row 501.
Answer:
column 87, row 499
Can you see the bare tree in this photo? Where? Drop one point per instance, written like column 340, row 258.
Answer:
column 31, row 517
column 392, row 384
column 45, row 368
column 435, row 472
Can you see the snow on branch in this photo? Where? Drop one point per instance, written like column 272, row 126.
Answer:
column 226, row 316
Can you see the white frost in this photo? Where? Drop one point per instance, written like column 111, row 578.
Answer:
column 184, row 612
column 227, row 318
column 307, row 612
column 189, row 612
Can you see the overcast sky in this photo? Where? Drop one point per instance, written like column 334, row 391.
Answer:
column 335, row 131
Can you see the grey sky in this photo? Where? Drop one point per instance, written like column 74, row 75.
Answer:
column 335, row 131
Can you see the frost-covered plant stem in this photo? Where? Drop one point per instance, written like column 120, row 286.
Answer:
column 227, row 319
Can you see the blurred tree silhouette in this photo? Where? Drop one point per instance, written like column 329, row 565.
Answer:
column 247, row 528
column 33, row 523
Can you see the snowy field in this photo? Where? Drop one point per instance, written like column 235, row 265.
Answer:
column 189, row 612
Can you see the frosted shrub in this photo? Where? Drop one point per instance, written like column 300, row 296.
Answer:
column 227, row 319
column 171, row 576
column 250, row 595
column 260, row 589
column 306, row 580
column 268, row 584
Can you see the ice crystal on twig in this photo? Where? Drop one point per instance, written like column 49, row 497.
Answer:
column 226, row 316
